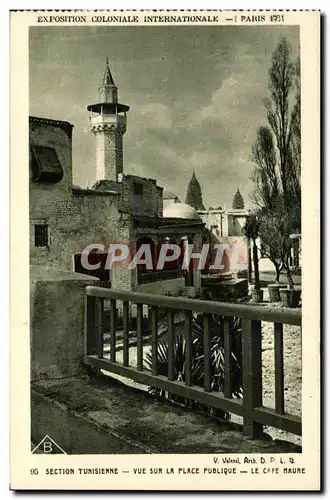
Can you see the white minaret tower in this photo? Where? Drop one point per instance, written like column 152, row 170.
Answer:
column 108, row 126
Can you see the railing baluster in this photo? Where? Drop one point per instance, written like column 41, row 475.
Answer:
column 99, row 326
column 125, row 333
column 207, row 353
column 228, row 358
column 113, row 328
column 170, row 343
column 279, row 368
column 139, row 334
column 252, row 375
column 188, row 347
column 90, row 340
column 154, row 340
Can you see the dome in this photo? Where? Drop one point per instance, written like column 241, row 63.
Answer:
column 180, row 211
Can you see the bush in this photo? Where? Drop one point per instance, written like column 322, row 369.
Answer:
column 197, row 369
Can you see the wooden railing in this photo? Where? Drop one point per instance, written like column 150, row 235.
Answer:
column 250, row 407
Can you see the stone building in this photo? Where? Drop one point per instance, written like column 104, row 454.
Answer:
column 223, row 222
column 118, row 209
column 221, row 226
column 225, row 226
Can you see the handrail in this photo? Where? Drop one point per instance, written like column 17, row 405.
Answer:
column 244, row 311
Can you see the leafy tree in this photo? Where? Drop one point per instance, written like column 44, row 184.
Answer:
column 276, row 231
column 265, row 175
column 272, row 247
column 251, row 231
column 276, row 154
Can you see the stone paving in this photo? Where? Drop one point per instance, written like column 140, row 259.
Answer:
column 141, row 421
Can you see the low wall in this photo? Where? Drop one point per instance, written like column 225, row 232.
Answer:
column 56, row 322
column 174, row 287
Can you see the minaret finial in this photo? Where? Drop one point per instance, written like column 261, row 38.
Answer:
column 108, row 90
column 107, row 77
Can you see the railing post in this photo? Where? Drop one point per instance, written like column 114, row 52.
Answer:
column 279, row 368
column 92, row 339
column 139, row 334
column 170, row 344
column 227, row 325
column 188, row 347
column 90, row 344
column 125, row 333
column 113, row 329
column 252, row 375
column 98, row 327
column 154, row 339
column 207, row 353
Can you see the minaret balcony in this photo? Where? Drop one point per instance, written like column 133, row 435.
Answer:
column 108, row 108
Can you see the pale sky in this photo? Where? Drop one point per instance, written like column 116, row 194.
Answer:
column 196, row 96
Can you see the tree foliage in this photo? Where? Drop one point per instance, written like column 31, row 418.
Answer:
column 277, row 230
column 276, row 151
column 216, row 326
column 276, row 154
column 251, row 231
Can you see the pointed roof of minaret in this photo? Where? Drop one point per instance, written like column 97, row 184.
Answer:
column 193, row 177
column 194, row 196
column 107, row 77
column 238, row 202
column 108, row 95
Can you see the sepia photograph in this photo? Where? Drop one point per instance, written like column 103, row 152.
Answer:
column 165, row 216
column 148, row 146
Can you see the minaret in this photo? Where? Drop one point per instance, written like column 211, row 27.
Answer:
column 238, row 202
column 108, row 126
column 194, row 196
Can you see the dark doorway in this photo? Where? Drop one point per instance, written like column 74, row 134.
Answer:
column 94, row 258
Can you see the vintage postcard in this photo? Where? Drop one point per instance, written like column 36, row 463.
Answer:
column 165, row 294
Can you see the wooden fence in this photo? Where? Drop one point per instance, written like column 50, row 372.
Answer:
column 250, row 407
